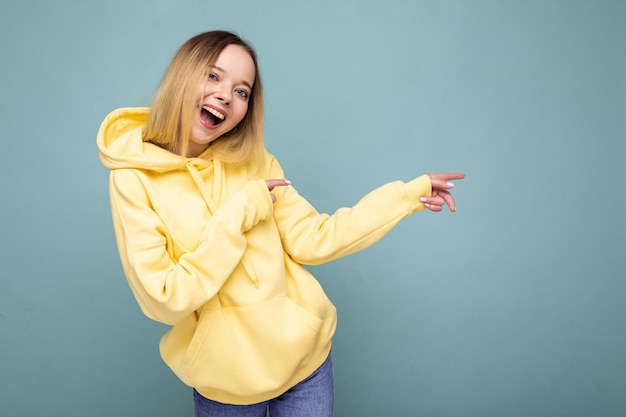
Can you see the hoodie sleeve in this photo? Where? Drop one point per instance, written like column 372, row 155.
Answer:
column 313, row 238
column 167, row 290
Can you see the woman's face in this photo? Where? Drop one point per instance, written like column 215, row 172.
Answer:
column 222, row 98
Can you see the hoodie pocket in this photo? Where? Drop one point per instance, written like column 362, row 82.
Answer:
column 246, row 351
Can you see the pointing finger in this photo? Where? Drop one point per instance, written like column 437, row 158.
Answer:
column 273, row 183
column 447, row 176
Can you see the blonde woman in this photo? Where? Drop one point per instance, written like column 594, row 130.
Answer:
column 212, row 237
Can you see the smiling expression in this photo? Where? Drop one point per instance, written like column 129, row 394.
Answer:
column 222, row 98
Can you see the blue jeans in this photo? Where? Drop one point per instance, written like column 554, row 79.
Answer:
column 313, row 397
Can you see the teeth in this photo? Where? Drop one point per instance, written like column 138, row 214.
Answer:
column 214, row 112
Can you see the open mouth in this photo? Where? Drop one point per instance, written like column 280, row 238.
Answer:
column 211, row 117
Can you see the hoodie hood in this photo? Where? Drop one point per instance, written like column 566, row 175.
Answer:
column 121, row 145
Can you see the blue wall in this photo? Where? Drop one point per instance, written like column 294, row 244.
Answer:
column 514, row 306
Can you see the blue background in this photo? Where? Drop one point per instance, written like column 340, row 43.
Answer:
column 514, row 306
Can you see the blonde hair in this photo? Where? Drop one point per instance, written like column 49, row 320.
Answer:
column 171, row 117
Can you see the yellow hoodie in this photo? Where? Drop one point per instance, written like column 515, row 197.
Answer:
column 205, row 251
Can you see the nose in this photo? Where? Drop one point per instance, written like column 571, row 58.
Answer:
column 222, row 93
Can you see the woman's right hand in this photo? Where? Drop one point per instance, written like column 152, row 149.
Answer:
column 441, row 195
column 271, row 184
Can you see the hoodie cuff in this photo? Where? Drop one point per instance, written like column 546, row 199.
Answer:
column 261, row 202
column 417, row 188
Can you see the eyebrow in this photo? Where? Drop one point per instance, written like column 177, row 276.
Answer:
column 244, row 82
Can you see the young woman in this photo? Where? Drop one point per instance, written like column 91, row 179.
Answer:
column 212, row 237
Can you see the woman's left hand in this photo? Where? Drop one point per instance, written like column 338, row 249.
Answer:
column 441, row 195
column 273, row 183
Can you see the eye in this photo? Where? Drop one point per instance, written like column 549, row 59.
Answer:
column 213, row 77
column 241, row 92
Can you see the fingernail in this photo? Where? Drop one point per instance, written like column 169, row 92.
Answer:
column 450, row 184
column 426, row 205
column 423, row 199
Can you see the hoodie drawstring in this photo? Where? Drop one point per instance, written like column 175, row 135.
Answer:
column 210, row 202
